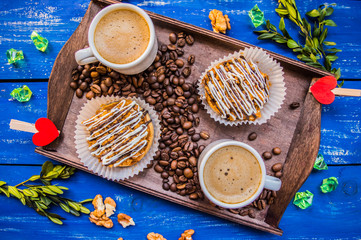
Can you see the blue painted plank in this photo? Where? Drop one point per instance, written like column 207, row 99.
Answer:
column 57, row 20
column 16, row 147
column 340, row 126
column 334, row 215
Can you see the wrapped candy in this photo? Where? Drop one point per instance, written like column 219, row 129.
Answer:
column 257, row 16
column 40, row 42
column 303, row 200
column 14, row 55
column 22, row 94
column 320, row 163
column 329, row 184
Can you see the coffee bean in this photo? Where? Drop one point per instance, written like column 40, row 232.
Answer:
column 163, row 48
column 181, row 42
column 270, row 201
column 193, row 161
column 178, row 91
column 191, row 59
column 195, row 108
column 187, row 125
column 158, row 168
column 276, row 151
column 183, row 179
column 104, row 88
column 243, row 212
column 196, row 137
column 204, row 135
column 186, row 72
column 267, row 155
column 150, row 100
column 173, row 187
column 101, row 70
column 201, row 148
column 179, row 51
column 74, row 85
column 173, row 38
column 163, row 163
column 251, row 213
column 278, row 174
column 294, row 105
column 252, row 136
column 193, row 196
column 89, row 95
column 188, row 146
column 94, row 74
column 164, row 174
column 277, row 167
column 189, row 39
column 172, row 47
column 188, row 173
column 79, row 93
column 181, row 164
column 166, row 186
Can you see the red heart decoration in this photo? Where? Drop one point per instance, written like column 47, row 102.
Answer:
column 321, row 90
column 47, row 132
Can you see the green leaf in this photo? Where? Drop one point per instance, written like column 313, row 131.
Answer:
column 74, row 205
column 261, row 31
column 47, row 167
column 28, row 193
column 281, row 11
column 327, row 64
column 6, row 192
column 48, row 191
column 34, row 178
column 316, row 65
column 56, row 220
column 307, row 25
column 282, row 24
column 313, row 57
column 280, row 40
column 329, row 11
column 2, row 183
column 14, row 191
column 334, row 50
column 315, row 42
column 330, row 23
column 55, row 189
column 322, row 15
column 297, row 49
column 292, row 44
column 45, row 200
column 316, row 32
column 331, row 58
column 338, row 73
column 35, row 194
column 63, row 188
column 291, row 11
column 86, row 200
column 273, row 28
column 75, row 213
column 341, row 84
column 84, row 210
column 22, row 200
column 313, row 13
column 268, row 24
column 329, row 43
column 64, row 207
column 323, row 36
column 266, row 36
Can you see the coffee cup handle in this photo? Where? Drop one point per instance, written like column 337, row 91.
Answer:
column 85, row 56
column 272, row 183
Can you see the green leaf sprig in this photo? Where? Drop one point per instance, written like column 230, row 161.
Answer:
column 42, row 197
column 314, row 47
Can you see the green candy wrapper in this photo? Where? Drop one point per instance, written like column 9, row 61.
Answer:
column 320, row 163
column 40, row 42
column 329, row 184
column 14, row 55
column 303, row 200
column 257, row 16
column 22, row 94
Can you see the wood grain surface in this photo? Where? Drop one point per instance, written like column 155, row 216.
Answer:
column 279, row 130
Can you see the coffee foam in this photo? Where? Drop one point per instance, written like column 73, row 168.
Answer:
column 232, row 174
column 121, row 36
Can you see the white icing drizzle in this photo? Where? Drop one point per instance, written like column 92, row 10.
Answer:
column 116, row 138
column 237, row 89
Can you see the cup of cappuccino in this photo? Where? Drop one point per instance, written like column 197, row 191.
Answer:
column 232, row 174
column 122, row 37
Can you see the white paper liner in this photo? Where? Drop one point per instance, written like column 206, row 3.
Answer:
column 267, row 65
column 92, row 163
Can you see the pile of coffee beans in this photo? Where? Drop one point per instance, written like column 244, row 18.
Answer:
column 163, row 85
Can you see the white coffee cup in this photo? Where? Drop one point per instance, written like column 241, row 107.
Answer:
column 268, row 182
column 90, row 54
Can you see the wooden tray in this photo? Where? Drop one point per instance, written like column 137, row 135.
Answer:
column 296, row 132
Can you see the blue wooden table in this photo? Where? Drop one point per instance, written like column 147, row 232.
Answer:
column 335, row 215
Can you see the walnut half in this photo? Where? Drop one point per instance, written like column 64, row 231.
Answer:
column 187, row 235
column 109, row 206
column 155, row 236
column 125, row 220
column 219, row 22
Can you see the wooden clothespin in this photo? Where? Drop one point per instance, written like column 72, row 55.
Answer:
column 324, row 90
column 44, row 129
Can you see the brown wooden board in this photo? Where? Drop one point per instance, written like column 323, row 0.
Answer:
column 296, row 132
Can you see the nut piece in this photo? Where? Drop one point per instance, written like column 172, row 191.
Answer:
column 125, row 220
column 98, row 206
column 109, row 206
column 155, row 236
column 101, row 221
column 187, row 235
column 219, row 22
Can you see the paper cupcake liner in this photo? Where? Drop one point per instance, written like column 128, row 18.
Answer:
column 92, row 163
column 267, row 65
